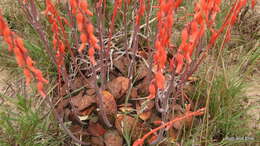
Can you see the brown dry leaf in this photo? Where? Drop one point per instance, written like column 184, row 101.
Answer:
column 147, row 104
column 63, row 90
column 109, row 103
column 178, row 124
column 129, row 125
column 142, row 71
column 125, row 105
column 95, row 129
column 142, row 88
column 122, row 65
column 77, row 130
column 112, row 138
column 60, row 109
column 173, row 134
column 145, row 115
column 144, row 109
column 87, row 111
column 82, row 101
column 143, row 53
column 152, row 139
column 90, row 92
column 126, row 108
column 73, row 117
column 89, row 83
column 118, row 87
column 97, row 141
column 66, row 114
column 77, row 83
column 134, row 93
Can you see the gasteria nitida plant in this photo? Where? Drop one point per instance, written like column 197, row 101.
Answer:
column 179, row 63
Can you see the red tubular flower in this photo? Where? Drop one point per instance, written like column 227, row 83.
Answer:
column 16, row 45
column 80, row 11
column 214, row 37
column 28, row 76
column 177, row 3
column 194, row 32
column 80, row 20
column 118, row 4
column 20, row 44
column 99, row 3
column 202, row 30
column 187, row 115
column 30, row 63
column 253, row 2
column 184, row 38
column 59, row 35
column 83, row 38
column 159, row 77
column 74, row 5
column 40, row 88
column 179, row 59
column 229, row 20
column 172, row 64
column 140, row 11
column 91, row 53
column 188, row 49
column 228, row 36
column 152, row 90
column 84, row 6
column 138, row 142
column 19, row 57
column 165, row 17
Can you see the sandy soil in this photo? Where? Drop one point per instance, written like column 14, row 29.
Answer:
column 3, row 79
column 253, row 95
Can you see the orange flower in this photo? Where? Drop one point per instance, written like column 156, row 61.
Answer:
column 59, row 35
column 194, row 32
column 40, row 88
column 28, row 76
column 228, row 36
column 16, row 46
column 83, row 38
column 91, row 53
column 159, row 80
column 84, row 6
column 188, row 52
column 19, row 57
column 253, row 2
column 179, row 59
column 20, row 44
column 140, row 11
column 73, row 4
column 172, row 64
column 152, row 91
column 138, row 142
column 86, row 29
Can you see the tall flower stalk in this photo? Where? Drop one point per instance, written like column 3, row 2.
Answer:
column 81, row 11
column 16, row 46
